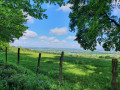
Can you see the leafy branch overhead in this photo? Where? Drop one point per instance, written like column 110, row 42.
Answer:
column 95, row 24
column 32, row 7
column 11, row 24
column 12, row 19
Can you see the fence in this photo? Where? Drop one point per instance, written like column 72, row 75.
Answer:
column 114, row 80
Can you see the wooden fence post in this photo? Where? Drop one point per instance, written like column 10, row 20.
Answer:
column 6, row 55
column 38, row 63
column 60, row 69
column 18, row 55
column 114, row 81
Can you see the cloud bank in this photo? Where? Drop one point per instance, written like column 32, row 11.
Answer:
column 28, row 35
column 65, row 8
column 70, row 38
column 59, row 31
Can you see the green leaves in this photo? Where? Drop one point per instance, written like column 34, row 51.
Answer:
column 3, row 45
column 12, row 20
column 32, row 7
column 11, row 24
column 95, row 24
column 19, row 78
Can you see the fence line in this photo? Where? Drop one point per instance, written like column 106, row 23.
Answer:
column 60, row 72
column 114, row 81
column 18, row 56
column 38, row 63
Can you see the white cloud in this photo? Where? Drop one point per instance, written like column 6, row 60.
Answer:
column 63, row 41
column 83, row 4
column 43, row 38
column 59, row 31
column 51, row 39
column 15, row 39
column 28, row 35
column 99, row 47
column 30, row 19
column 70, row 37
column 54, row 44
column 65, row 8
column 51, row 43
column 55, row 41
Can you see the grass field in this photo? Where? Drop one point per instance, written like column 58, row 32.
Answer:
column 79, row 72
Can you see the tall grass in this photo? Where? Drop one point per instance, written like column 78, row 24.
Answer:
column 79, row 72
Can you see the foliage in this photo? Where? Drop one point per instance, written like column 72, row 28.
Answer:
column 32, row 7
column 12, row 23
column 95, row 23
column 12, row 18
column 79, row 73
column 101, row 57
column 108, row 57
column 3, row 45
column 13, row 77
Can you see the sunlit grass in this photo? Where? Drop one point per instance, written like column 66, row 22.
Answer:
column 79, row 72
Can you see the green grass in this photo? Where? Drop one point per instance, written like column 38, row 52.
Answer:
column 79, row 73
column 14, row 77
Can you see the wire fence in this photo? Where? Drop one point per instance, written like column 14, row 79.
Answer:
column 63, row 64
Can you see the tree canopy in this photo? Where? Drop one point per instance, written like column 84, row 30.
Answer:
column 32, row 7
column 3, row 45
column 95, row 24
column 12, row 20
column 11, row 24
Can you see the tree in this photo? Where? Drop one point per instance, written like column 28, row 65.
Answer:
column 3, row 45
column 11, row 24
column 95, row 24
column 32, row 7
column 12, row 20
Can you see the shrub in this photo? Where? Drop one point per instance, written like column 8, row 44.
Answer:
column 107, row 57
column 11, row 78
column 27, row 82
column 101, row 57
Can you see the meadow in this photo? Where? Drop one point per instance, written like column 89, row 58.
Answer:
column 79, row 72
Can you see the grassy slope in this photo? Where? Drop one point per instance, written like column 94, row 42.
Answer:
column 79, row 73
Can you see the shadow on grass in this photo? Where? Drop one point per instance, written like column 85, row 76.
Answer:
column 78, row 72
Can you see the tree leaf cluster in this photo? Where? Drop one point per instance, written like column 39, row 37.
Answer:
column 95, row 24
column 13, row 18
column 32, row 7
column 12, row 24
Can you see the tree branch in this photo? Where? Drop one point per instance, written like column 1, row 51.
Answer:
column 112, row 20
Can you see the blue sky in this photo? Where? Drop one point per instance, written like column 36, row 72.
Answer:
column 52, row 32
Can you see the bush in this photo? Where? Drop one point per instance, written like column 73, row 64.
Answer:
column 107, row 57
column 101, row 57
column 28, row 82
column 11, row 78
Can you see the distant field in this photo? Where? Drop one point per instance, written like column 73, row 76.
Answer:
column 80, row 72
column 79, row 52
